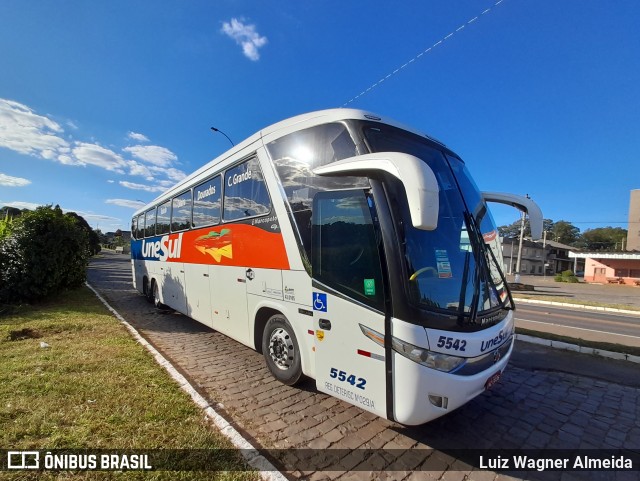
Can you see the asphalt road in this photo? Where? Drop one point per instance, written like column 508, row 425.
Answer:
column 581, row 323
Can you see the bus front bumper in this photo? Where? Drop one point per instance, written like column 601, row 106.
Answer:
column 422, row 394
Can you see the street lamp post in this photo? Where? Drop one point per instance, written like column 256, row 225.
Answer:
column 218, row 130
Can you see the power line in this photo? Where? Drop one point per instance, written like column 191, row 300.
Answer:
column 605, row 222
column 424, row 52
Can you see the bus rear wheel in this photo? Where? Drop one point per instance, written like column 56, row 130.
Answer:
column 156, row 295
column 281, row 351
column 146, row 290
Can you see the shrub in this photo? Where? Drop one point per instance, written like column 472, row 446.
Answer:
column 5, row 227
column 45, row 252
column 566, row 276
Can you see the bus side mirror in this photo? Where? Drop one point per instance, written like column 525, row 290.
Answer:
column 521, row 203
column 418, row 179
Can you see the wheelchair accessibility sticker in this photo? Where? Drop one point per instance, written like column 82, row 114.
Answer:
column 319, row 302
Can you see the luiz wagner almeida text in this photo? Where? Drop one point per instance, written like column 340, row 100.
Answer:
column 541, row 464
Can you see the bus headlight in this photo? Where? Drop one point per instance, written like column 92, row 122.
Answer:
column 433, row 360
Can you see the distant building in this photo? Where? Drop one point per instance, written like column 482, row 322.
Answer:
column 617, row 267
column 633, row 230
column 531, row 262
column 611, row 267
column 536, row 260
column 124, row 234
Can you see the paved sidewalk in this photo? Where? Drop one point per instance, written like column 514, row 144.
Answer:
column 534, row 405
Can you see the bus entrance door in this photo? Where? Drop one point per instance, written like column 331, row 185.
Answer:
column 348, row 300
column 349, row 365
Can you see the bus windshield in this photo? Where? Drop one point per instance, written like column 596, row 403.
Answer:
column 455, row 269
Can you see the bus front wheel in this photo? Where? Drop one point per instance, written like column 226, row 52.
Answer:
column 281, row 351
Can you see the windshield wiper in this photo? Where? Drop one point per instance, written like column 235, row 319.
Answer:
column 503, row 302
column 481, row 276
column 463, row 289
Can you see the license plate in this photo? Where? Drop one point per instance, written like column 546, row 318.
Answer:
column 492, row 381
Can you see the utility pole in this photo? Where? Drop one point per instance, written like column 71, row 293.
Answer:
column 519, row 260
column 511, row 259
column 544, row 255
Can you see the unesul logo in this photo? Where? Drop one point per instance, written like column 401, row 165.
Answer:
column 168, row 247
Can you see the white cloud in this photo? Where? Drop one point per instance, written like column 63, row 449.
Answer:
column 93, row 218
column 148, row 188
column 136, row 168
column 9, row 181
column 133, row 204
column 175, row 174
column 24, row 131
column 245, row 36
column 137, row 137
column 95, row 154
column 152, row 154
column 21, row 205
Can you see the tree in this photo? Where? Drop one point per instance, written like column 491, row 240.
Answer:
column 45, row 252
column 603, row 238
column 565, row 232
column 94, row 239
column 512, row 231
column 101, row 236
column 10, row 212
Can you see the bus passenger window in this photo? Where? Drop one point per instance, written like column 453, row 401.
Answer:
column 150, row 223
column 163, row 218
column 206, row 203
column 181, row 212
column 245, row 191
column 140, row 227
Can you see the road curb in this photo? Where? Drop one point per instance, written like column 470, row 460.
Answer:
column 577, row 306
column 268, row 472
column 577, row 348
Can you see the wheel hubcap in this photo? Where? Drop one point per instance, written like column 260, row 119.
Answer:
column 281, row 349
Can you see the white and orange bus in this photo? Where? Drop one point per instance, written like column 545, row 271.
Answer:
column 346, row 248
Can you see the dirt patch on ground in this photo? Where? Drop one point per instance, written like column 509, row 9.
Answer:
column 22, row 334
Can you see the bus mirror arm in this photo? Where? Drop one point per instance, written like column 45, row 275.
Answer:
column 418, row 179
column 521, row 203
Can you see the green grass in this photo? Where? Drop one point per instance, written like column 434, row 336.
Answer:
column 94, row 388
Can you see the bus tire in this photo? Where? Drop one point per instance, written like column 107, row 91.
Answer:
column 146, row 290
column 156, row 295
column 281, row 351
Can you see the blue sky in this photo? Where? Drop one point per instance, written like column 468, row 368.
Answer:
column 105, row 104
